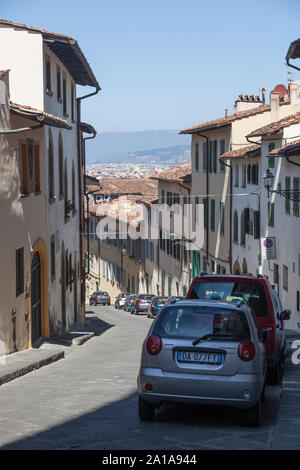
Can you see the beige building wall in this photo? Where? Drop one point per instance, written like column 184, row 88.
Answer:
column 23, row 225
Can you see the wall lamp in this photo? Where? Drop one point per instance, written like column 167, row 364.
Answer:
column 268, row 178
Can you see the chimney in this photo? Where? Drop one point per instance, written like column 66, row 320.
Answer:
column 274, row 102
column 245, row 102
column 293, row 92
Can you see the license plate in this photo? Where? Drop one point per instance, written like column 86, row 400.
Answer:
column 199, row 357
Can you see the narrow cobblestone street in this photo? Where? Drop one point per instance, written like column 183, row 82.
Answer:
column 88, row 401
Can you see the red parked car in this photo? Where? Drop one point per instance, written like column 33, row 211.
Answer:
column 263, row 300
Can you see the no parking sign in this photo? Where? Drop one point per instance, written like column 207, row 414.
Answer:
column 268, row 248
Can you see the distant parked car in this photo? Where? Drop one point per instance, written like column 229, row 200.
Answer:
column 258, row 293
column 128, row 302
column 120, row 300
column 175, row 298
column 100, row 298
column 141, row 303
column 156, row 305
column 204, row 352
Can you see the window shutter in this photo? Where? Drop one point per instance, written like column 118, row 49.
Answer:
column 256, row 224
column 287, row 201
column 204, row 156
column 215, row 143
column 296, row 203
column 247, row 219
column 249, row 174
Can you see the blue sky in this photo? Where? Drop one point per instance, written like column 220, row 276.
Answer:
column 168, row 64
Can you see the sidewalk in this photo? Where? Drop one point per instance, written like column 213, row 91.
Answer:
column 286, row 431
column 49, row 350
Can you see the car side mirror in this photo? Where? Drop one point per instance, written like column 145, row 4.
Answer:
column 285, row 315
column 264, row 335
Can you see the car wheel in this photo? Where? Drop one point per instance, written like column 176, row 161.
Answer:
column 274, row 374
column 252, row 416
column 146, row 410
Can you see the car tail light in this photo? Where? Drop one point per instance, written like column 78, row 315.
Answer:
column 139, row 301
column 154, row 345
column 153, row 305
column 246, row 350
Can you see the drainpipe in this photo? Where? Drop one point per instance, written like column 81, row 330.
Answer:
column 230, row 217
column 22, row 129
column 207, row 192
column 79, row 150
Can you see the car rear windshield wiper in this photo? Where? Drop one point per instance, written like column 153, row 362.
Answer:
column 210, row 336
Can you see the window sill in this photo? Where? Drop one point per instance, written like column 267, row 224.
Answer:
column 49, row 92
column 52, row 200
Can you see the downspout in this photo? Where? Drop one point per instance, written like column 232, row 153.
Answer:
column 230, row 217
column 22, row 129
column 207, row 192
column 79, row 150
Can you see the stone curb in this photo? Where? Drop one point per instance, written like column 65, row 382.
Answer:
column 35, row 365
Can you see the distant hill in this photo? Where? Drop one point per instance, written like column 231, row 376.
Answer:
column 133, row 147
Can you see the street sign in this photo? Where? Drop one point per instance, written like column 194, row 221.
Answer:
column 268, row 248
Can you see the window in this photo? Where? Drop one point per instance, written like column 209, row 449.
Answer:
column 204, row 156
column 58, row 83
column 222, row 150
column 287, row 200
column 271, row 147
column 24, row 189
column 163, row 197
column 212, row 215
column 243, row 233
column 215, row 149
column 236, row 173
column 72, row 101
column 169, row 284
column 271, row 214
column 50, row 167
column 60, row 166
column 65, row 95
column 244, row 175
column 204, row 263
column 296, row 203
column 52, row 251
column 252, row 174
column 37, row 182
column 73, row 188
column 197, row 156
column 298, row 301
column 205, row 211
column 29, row 166
column 235, row 227
column 163, row 282
column 48, row 74
column 276, row 273
column 222, row 218
column 19, row 271
column 285, row 276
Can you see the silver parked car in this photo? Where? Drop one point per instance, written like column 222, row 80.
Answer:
column 204, row 352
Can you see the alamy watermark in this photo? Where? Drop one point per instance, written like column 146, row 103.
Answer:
column 182, row 223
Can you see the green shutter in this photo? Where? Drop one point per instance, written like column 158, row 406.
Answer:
column 197, row 156
column 271, row 147
column 204, row 156
column 222, row 221
column 194, row 264
column 271, row 214
column 212, row 216
column 296, row 203
column 287, row 201
column 215, row 143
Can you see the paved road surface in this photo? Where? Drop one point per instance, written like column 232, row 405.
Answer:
column 89, row 401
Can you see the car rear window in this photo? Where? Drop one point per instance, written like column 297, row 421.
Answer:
column 145, row 297
column 160, row 300
column 195, row 322
column 251, row 293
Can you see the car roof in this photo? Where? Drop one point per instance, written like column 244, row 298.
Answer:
column 231, row 277
column 205, row 303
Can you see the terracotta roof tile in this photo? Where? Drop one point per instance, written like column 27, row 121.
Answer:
column 115, row 186
column 28, row 111
column 226, row 120
column 292, row 145
column 276, row 126
column 177, row 173
column 249, row 151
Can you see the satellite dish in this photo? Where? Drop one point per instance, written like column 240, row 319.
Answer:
column 281, row 89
